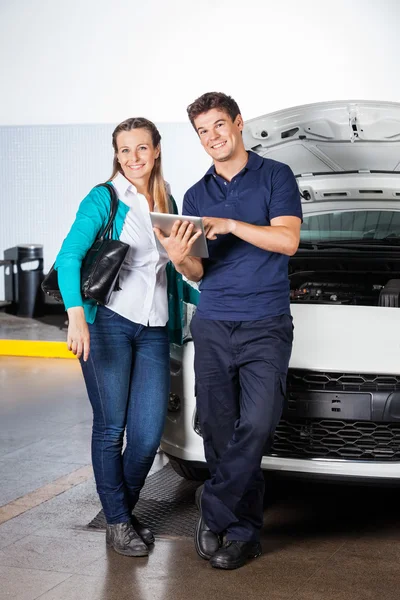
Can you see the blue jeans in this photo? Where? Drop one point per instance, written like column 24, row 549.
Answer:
column 127, row 380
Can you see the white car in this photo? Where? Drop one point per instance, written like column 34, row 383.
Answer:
column 342, row 412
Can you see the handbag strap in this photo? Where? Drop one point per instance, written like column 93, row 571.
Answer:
column 113, row 210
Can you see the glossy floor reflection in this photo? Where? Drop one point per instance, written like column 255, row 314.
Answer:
column 321, row 542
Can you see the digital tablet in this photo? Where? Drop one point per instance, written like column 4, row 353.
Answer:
column 165, row 221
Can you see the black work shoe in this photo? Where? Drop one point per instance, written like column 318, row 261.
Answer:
column 124, row 540
column 206, row 542
column 143, row 532
column 233, row 555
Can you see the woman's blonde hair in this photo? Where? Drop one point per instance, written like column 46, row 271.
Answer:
column 157, row 187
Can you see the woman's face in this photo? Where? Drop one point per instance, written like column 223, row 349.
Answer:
column 136, row 154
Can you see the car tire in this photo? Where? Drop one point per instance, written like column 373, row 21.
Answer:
column 189, row 472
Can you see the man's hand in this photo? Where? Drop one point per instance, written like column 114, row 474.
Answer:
column 214, row 226
column 78, row 339
column 180, row 241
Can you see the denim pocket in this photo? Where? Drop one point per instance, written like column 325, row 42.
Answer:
column 105, row 313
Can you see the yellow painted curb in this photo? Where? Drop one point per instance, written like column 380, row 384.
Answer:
column 35, row 348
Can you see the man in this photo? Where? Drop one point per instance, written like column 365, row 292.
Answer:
column 242, row 329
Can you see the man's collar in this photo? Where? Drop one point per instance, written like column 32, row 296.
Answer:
column 211, row 170
column 254, row 162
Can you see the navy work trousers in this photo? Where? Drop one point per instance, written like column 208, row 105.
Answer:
column 240, row 369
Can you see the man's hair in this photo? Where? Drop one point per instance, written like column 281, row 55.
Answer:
column 212, row 100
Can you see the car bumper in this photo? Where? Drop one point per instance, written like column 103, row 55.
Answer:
column 333, row 468
column 352, row 422
column 315, row 467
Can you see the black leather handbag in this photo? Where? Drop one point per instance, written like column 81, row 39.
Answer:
column 101, row 265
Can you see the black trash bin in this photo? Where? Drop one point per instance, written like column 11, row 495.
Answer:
column 22, row 280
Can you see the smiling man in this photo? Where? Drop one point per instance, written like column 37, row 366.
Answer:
column 242, row 329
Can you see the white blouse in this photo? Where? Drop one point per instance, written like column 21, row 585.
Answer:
column 142, row 279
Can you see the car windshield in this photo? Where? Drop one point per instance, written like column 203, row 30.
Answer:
column 354, row 225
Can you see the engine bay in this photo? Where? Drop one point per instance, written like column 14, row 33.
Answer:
column 351, row 281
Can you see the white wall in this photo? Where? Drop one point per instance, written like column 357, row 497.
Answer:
column 46, row 170
column 97, row 61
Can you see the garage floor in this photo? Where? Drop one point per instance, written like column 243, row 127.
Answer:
column 49, row 328
column 320, row 541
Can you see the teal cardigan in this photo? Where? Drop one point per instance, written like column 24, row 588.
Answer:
column 91, row 218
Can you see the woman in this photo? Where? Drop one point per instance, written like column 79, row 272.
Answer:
column 124, row 347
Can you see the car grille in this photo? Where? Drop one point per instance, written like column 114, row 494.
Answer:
column 325, row 438
column 302, row 437
column 318, row 381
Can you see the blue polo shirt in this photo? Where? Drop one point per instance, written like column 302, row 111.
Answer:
column 242, row 282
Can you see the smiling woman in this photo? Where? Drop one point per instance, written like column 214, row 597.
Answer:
column 123, row 347
column 137, row 156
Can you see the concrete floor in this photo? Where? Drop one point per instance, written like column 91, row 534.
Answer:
column 50, row 328
column 321, row 542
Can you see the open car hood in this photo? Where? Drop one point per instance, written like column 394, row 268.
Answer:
column 330, row 136
column 338, row 150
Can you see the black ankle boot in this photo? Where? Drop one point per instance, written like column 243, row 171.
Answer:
column 143, row 532
column 124, row 540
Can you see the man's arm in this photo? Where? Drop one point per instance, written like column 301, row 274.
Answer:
column 284, row 213
column 282, row 235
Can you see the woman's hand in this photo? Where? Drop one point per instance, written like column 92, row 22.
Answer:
column 180, row 241
column 78, row 340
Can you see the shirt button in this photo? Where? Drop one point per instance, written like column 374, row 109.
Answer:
column 225, row 183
